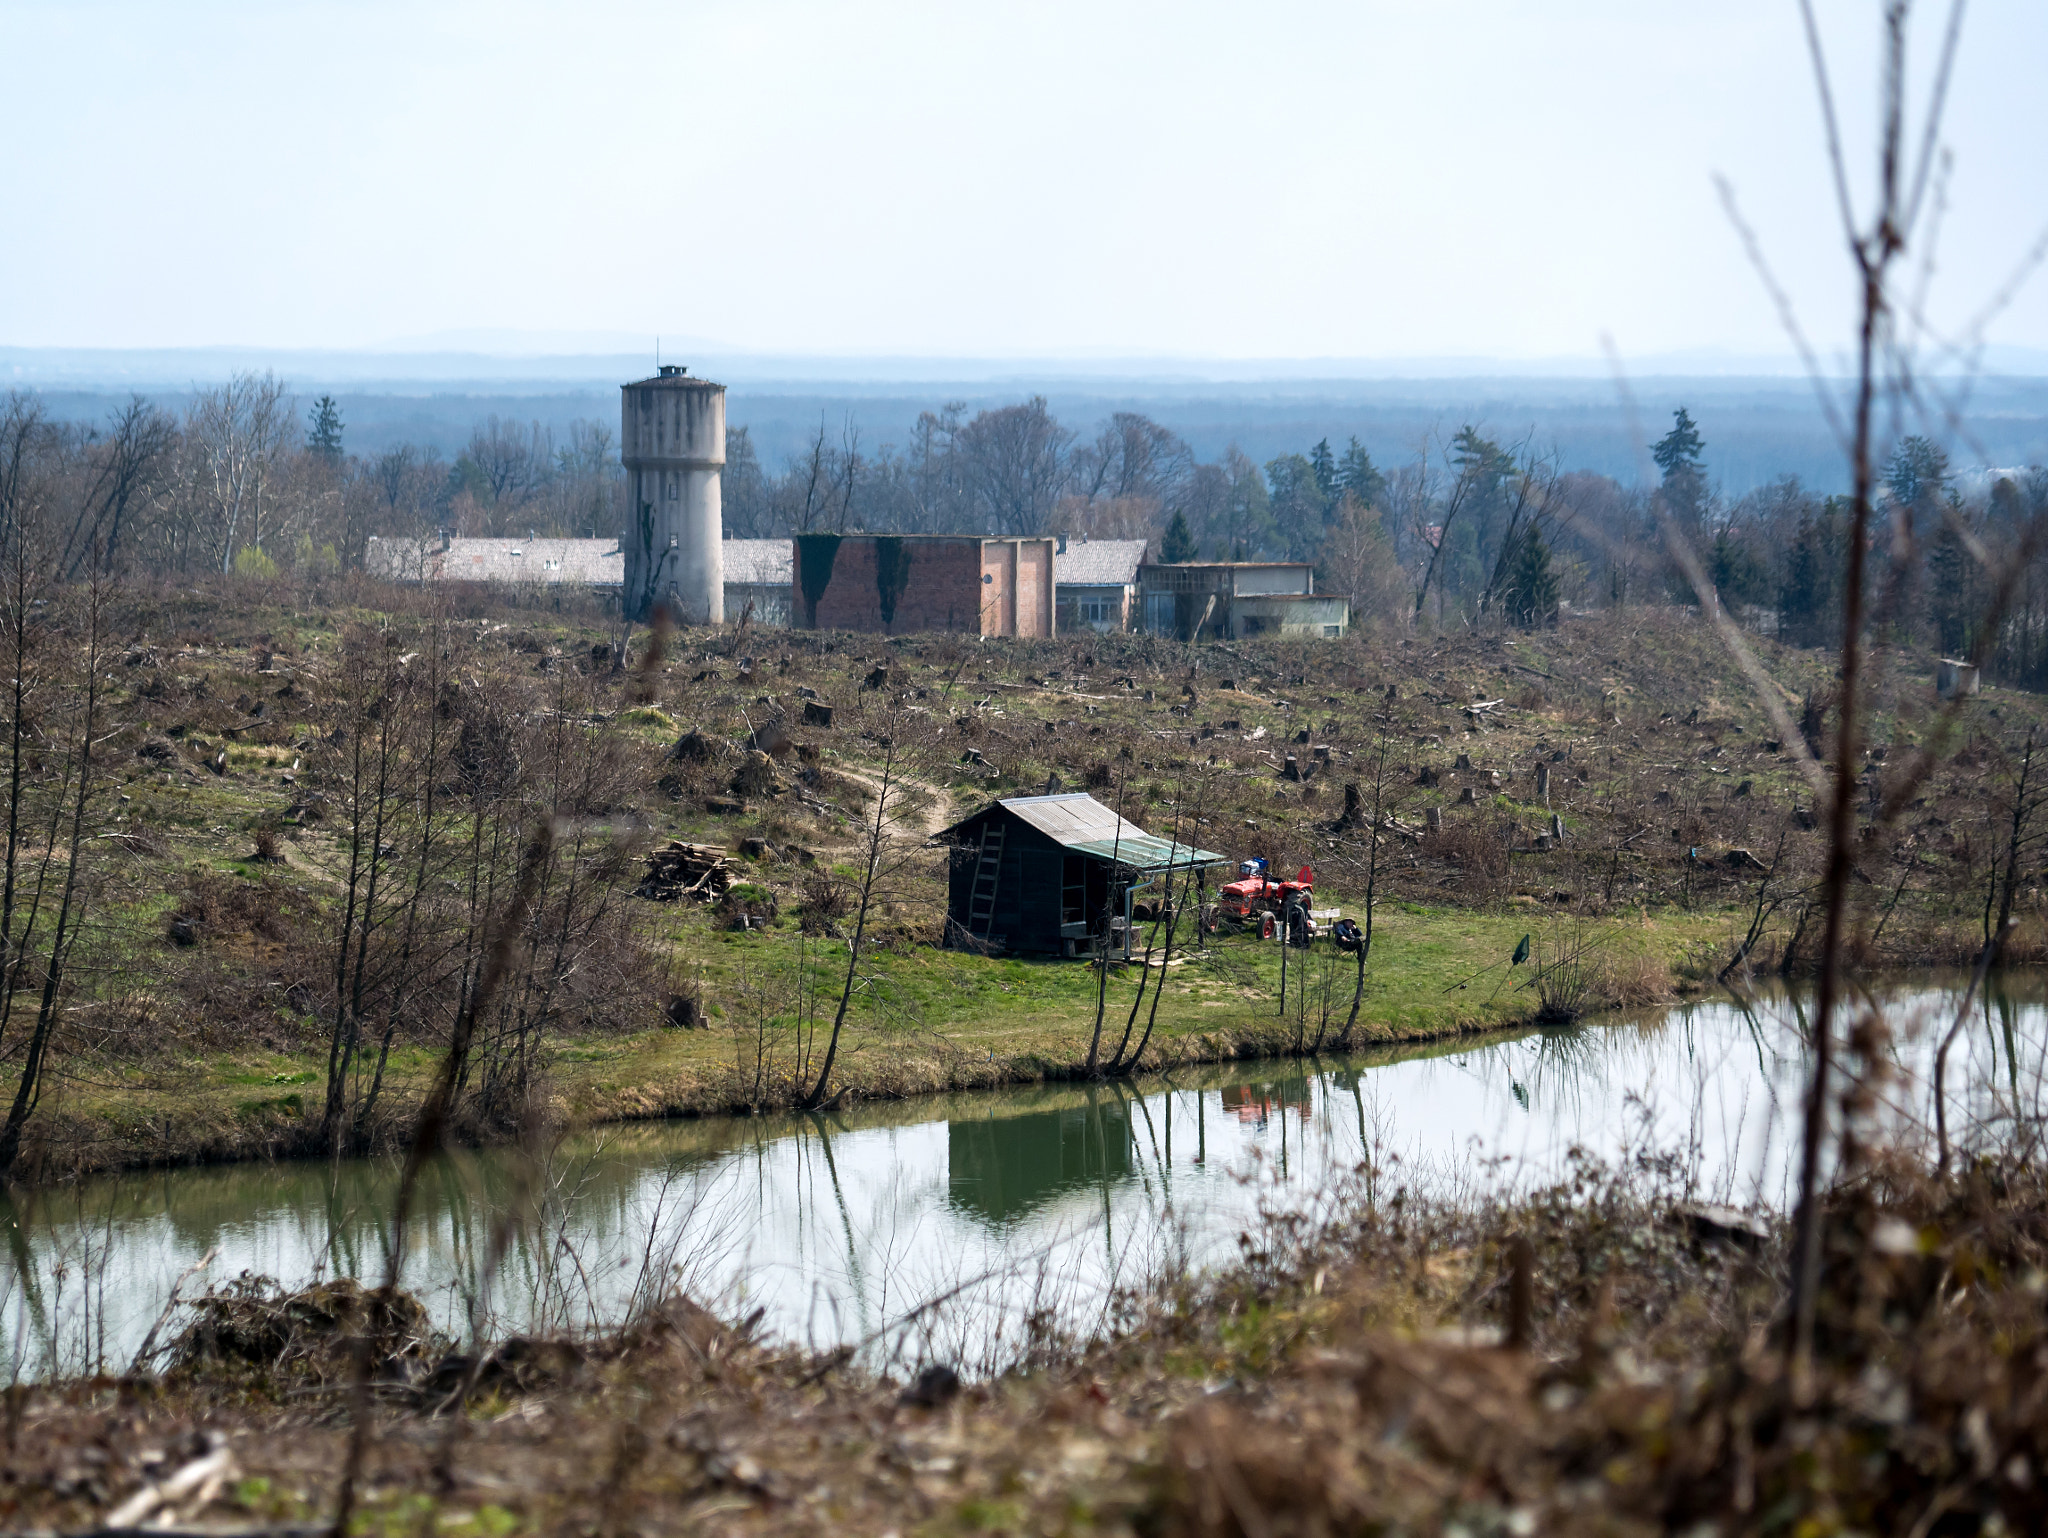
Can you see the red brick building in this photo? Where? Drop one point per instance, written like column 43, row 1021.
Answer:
column 901, row 584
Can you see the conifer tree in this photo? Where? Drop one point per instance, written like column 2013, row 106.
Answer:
column 1532, row 589
column 323, row 429
column 1357, row 474
column 1685, row 476
column 1323, row 466
column 1178, row 544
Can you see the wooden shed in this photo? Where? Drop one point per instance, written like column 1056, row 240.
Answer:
column 1046, row 875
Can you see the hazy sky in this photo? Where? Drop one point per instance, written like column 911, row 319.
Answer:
column 1380, row 178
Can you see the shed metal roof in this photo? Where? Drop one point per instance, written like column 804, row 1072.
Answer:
column 1077, row 821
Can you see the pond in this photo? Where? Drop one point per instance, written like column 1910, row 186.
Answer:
column 935, row 1229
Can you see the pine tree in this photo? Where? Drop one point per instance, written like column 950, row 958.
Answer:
column 1952, row 597
column 1809, row 599
column 1685, row 476
column 1178, row 544
column 1532, row 585
column 323, row 429
column 1917, row 472
column 1323, row 466
column 1475, row 547
column 1736, row 572
column 1681, row 446
column 1357, row 474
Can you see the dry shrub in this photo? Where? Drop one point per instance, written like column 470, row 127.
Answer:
column 1631, row 979
column 253, row 1328
column 826, row 897
column 1568, row 966
column 756, row 775
column 693, row 779
column 1478, row 846
column 226, row 907
column 145, row 838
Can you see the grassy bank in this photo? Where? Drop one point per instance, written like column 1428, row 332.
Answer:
column 930, row 1021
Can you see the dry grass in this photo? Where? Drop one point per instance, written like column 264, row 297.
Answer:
column 1630, row 978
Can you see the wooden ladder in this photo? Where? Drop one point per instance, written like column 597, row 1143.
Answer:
column 981, row 899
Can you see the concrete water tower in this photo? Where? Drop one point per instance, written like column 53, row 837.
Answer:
column 672, row 441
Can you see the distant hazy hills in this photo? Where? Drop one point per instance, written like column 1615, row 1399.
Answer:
column 1760, row 417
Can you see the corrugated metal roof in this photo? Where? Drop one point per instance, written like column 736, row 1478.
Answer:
column 598, row 562
column 593, row 562
column 1098, row 563
column 1071, row 817
column 1079, row 822
column 760, row 562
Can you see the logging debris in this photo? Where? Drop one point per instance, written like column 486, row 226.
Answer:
column 682, row 870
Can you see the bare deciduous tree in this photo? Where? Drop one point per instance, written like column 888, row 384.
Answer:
column 236, row 432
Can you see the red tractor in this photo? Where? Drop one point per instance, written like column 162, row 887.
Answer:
column 1255, row 897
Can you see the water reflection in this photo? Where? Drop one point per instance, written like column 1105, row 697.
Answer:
column 1009, row 1204
column 1002, row 1168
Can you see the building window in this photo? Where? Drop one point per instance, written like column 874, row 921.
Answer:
column 1097, row 611
column 675, row 486
column 1331, row 632
column 1186, row 579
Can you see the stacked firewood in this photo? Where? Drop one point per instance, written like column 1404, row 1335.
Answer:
column 682, row 870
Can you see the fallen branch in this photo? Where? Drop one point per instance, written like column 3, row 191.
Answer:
column 200, row 1480
column 148, row 1347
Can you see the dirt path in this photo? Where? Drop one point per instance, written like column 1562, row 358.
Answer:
column 938, row 811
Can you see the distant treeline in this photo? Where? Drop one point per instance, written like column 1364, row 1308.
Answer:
column 247, row 478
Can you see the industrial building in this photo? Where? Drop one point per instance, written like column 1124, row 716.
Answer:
column 444, row 557
column 1095, row 584
column 756, row 571
column 671, row 555
column 902, row 584
column 1234, row 600
column 1047, row 874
